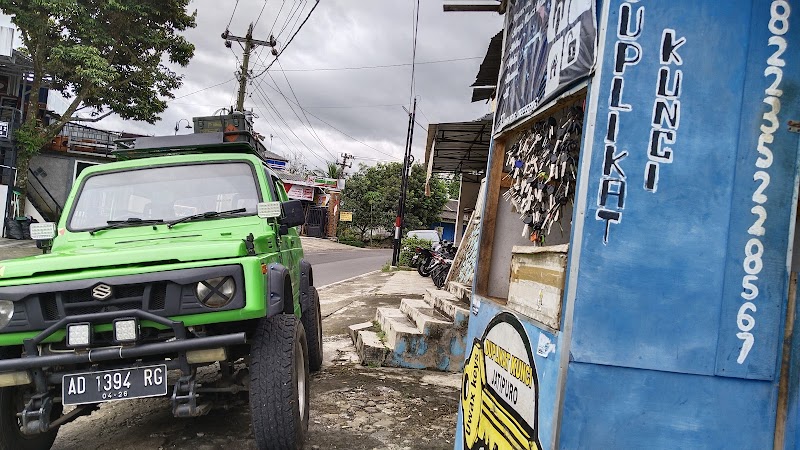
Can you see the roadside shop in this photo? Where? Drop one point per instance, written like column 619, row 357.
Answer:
column 634, row 281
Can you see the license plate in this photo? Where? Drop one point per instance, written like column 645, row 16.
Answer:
column 112, row 385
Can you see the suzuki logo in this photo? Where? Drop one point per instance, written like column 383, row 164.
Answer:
column 101, row 292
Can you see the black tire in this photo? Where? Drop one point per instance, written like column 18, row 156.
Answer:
column 424, row 267
column 11, row 402
column 279, row 397
column 312, row 323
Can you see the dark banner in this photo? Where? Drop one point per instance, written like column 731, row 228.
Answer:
column 549, row 45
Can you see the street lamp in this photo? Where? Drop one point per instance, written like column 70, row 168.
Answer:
column 177, row 125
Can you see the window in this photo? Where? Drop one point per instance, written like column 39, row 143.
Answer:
column 166, row 193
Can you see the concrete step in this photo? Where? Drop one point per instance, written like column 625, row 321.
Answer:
column 396, row 326
column 462, row 292
column 353, row 330
column 447, row 304
column 441, row 348
column 427, row 319
column 371, row 350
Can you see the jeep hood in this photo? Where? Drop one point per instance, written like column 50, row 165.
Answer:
column 106, row 255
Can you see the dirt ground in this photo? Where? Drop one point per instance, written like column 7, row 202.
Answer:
column 352, row 406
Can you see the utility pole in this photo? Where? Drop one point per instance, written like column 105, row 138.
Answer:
column 401, row 208
column 343, row 164
column 249, row 45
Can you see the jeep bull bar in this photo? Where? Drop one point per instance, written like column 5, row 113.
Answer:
column 36, row 414
column 33, row 360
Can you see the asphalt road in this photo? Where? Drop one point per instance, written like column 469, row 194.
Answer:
column 333, row 266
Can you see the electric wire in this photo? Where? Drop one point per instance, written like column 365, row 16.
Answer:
column 340, row 131
column 414, row 55
column 383, row 66
column 232, row 14
column 260, row 13
column 290, row 39
column 289, row 103
column 283, row 3
column 298, row 7
column 304, row 113
column 282, row 119
column 201, row 90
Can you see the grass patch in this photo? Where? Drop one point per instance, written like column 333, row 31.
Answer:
column 379, row 331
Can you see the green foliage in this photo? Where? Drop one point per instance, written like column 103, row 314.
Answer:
column 105, row 55
column 407, row 246
column 372, row 194
column 453, row 187
column 332, row 170
column 29, row 139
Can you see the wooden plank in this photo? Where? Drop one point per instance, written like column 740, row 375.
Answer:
column 506, row 181
column 490, row 217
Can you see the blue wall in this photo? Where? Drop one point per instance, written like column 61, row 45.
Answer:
column 448, row 230
column 685, row 205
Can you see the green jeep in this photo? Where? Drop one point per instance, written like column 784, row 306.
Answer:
column 183, row 255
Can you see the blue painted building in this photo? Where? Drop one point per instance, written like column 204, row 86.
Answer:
column 657, row 308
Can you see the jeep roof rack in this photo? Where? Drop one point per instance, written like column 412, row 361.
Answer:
column 238, row 141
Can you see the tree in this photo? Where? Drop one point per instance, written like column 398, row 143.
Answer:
column 453, row 186
column 105, row 56
column 332, row 170
column 373, row 192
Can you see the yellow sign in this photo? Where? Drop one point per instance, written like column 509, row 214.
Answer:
column 345, row 216
column 499, row 411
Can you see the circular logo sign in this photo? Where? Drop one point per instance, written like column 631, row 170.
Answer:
column 500, row 390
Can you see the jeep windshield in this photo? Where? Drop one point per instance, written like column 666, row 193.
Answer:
column 151, row 195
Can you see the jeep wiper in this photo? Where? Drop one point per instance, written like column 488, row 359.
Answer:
column 131, row 222
column 205, row 215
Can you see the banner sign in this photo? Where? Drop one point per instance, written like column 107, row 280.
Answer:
column 549, row 45
column 324, row 182
column 298, row 192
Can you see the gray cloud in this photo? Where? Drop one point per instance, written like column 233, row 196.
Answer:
column 340, row 33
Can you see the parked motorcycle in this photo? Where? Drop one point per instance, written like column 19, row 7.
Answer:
column 424, row 257
column 439, row 270
column 431, row 260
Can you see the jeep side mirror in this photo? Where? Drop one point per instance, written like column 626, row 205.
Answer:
column 43, row 233
column 293, row 214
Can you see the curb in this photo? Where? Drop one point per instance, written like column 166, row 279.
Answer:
column 348, row 279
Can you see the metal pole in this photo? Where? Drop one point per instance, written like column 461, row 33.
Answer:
column 398, row 225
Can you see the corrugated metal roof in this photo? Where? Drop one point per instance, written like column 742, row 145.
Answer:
column 486, row 80
column 460, row 148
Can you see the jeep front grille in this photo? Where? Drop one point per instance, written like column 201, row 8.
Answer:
column 166, row 293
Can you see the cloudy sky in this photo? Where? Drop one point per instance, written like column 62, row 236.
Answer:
column 366, row 104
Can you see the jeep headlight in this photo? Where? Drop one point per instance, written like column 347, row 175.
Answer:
column 216, row 292
column 6, row 312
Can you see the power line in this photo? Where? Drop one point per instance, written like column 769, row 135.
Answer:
column 272, row 28
column 271, row 105
column 262, row 12
column 414, row 54
column 304, row 113
column 201, row 90
column 290, row 39
column 289, row 103
column 296, row 14
column 423, row 114
column 340, row 131
column 232, row 14
column 383, row 66
column 392, row 105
